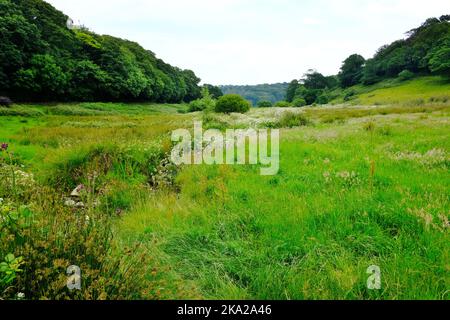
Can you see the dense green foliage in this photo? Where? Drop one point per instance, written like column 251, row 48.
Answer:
column 232, row 103
column 207, row 102
column 351, row 71
column 406, row 75
column 425, row 51
column 311, row 89
column 263, row 92
column 414, row 53
column 299, row 102
column 283, row 104
column 41, row 59
column 215, row 91
column 439, row 57
column 265, row 104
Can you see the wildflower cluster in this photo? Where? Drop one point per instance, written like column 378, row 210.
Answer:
column 430, row 159
column 346, row 178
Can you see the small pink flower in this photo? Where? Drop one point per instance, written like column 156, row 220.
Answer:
column 4, row 146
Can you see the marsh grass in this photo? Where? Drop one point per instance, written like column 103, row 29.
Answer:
column 358, row 187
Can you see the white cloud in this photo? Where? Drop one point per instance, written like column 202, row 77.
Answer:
column 254, row 41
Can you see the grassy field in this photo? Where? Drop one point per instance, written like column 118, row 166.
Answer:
column 416, row 92
column 358, row 186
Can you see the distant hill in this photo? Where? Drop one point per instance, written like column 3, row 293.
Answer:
column 262, row 92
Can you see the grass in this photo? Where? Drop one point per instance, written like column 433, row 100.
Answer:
column 419, row 91
column 312, row 231
column 92, row 109
column 358, row 186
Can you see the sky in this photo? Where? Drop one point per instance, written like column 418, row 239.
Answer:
column 255, row 41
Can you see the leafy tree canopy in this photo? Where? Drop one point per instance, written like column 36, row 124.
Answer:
column 42, row 59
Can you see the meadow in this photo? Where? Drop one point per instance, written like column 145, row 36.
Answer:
column 358, row 186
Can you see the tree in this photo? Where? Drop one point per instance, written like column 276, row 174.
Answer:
column 290, row 94
column 439, row 58
column 207, row 102
column 87, row 81
column 332, row 82
column 406, row 75
column 370, row 73
column 215, row 91
column 309, row 95
column 265, row 104
column 299, row 102
column 314, row 80
column 44, row 79
column 232, row 103
column 41, row 59
column 351, row 70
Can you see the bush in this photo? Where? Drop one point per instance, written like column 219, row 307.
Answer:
column 322, row 99
column 290, row 120
column 265, row 104
column 200, row 105
column 232, row 103
column 282, row 104
column 349, row 96
column 207, row 102
column 406, row 75
column 299, row 102
column 5, row 102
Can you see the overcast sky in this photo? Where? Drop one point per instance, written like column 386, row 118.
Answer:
column 254, row 41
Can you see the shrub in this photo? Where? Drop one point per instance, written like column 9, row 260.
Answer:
column 405, row 75
column 322, row 99
column 291, row 120
column 282, row 104
column 41, row 236
column 232, row 103
column 200, row 105
column 349, row 96
column 207, row 102
column 212, row 121
column 299, row 102
column 265, row 104
column 5, row 102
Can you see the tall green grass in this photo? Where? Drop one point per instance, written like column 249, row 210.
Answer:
column 357, row 187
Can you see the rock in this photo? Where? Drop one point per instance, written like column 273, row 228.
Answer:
column 79, row 205
column 69, row 203
column 77, row 191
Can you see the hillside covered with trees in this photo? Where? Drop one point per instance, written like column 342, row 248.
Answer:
column 425, row 51
column 263, row 92
column 42, row 58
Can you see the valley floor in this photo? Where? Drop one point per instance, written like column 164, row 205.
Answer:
column 357, row 187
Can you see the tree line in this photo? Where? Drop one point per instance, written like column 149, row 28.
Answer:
column 426, row 50
column 258, row 93
column 43, row 59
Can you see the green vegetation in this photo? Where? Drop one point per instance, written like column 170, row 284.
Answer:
column 352, row 71
column 372, row 191
column 282, row 104
column 414, row 53
column 265, row 104
column 207, row 102
column 232, row 103
column 406, row 75
column 420, row 92
column 41, row 59
column 299, row 102
column 90, row 184
column 426, row 51
column 263, row 92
